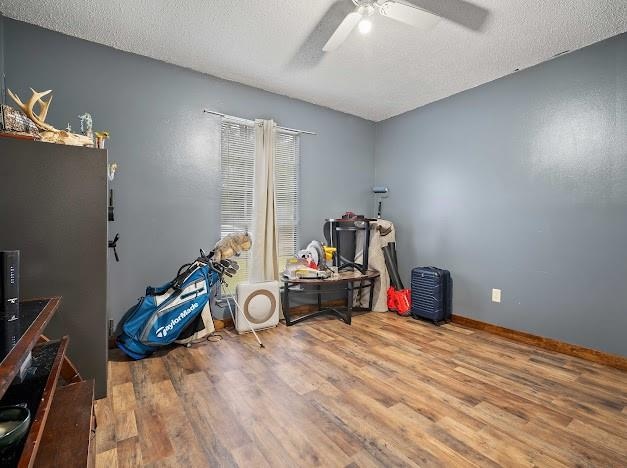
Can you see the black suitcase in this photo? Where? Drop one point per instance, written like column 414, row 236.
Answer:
column 431, row 294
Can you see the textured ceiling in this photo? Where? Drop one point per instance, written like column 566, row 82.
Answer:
column 275, row 44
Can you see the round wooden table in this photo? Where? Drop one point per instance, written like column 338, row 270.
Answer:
column 344, row 282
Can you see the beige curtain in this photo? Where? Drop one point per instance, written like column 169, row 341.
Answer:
column 264, row 252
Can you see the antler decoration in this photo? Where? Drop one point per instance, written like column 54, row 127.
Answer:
column 29, row 108
column 50, row 133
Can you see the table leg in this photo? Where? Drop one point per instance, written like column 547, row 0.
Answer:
column 337, row 246
column 286, row 304
column 319, row 297
column 367, row 246
column 349, row 303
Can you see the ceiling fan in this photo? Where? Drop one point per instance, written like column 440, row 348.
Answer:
column 399, row 10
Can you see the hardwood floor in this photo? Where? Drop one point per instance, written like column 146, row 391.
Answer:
column 386, row 391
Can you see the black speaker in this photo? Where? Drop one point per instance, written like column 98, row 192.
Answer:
column 10, row 296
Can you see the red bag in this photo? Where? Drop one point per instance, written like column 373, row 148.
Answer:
column 399, row 301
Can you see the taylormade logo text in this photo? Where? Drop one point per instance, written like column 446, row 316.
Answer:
column 162, row 332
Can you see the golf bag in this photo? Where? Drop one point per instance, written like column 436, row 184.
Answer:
column 177, row 311
column 202, row 326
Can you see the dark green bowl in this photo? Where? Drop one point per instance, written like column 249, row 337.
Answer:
column 16, row 419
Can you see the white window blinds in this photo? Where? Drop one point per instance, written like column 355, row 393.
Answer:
column 237, row 166
column 237, row 152
column 286, row 187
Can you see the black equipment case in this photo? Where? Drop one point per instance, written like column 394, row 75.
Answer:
column 431, row 294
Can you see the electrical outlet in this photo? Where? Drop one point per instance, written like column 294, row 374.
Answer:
column 496, row 295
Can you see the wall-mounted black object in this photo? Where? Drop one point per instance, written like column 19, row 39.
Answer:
column 10, row 297
column 111, row 214
column 114, row 245
column 53, row 206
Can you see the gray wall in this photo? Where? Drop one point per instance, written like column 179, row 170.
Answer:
column 521, row 184
column 167, row 188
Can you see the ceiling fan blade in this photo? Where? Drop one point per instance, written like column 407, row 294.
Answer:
column 463, row 12
column 342, row 31
column 408, row 14
column 310, row 52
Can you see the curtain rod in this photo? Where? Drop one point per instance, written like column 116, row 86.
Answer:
column 251, row 122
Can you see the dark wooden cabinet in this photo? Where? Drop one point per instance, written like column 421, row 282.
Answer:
column 53, row 208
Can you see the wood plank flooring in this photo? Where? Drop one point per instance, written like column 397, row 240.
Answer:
column 386, row 391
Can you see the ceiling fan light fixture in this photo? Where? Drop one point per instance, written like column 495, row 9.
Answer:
column 361, row 18
column 365, row 26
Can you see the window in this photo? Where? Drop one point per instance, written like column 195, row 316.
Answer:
column 237, row 166
column 287, row 188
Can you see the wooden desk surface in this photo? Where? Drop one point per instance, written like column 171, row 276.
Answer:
column 341, row 277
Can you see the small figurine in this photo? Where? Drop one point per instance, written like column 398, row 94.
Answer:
column 68, row 128
column 111, row 169
column 100, row 139
column 86, row 125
